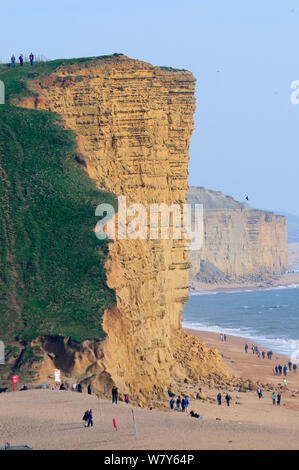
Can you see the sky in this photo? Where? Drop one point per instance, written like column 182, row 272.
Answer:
column 244, row 55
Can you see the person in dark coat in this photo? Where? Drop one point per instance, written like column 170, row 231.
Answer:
column 85, row 418
column 79, row 388
column 114, row 394
column 89, row 389
column 90, row 419
column 228, row 399
column 178, row 403
column 219, row 398
column 278, row 398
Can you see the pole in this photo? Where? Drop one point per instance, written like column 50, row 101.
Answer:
column 134, row 423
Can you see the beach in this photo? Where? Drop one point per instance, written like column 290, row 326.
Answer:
column 47, row 419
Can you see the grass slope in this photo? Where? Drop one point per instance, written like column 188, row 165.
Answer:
column 52, row 276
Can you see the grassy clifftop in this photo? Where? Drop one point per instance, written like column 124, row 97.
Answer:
column 52, row 276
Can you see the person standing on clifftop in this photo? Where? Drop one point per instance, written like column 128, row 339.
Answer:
column 21, row 60
column 31, row 57
column 13, row 61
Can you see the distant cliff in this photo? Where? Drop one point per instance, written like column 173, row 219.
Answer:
column 240, row 244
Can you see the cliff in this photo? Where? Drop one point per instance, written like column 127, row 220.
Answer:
column 240, row 244
column 133, row 124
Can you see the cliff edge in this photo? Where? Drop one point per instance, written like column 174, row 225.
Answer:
column 133, row 124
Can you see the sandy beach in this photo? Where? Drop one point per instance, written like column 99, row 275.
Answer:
column 46, row 419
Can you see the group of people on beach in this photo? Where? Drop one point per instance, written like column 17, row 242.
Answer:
column 180, row 404
column 278, row 370
column 88, row 418
column 255, row 350
column 21, row 60
column 227, row 398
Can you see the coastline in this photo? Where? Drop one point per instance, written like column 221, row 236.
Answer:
column 285, row 281
column 247, row 365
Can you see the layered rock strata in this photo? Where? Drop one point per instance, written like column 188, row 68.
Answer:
column 239, row 243
column 133, row 124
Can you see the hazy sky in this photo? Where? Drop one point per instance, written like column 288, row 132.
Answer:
column 244, row 55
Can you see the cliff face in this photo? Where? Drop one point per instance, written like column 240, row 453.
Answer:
column 240, row 243
column 133, row 123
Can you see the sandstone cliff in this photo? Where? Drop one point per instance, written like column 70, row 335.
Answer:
column 240, row 244
column 133, row 124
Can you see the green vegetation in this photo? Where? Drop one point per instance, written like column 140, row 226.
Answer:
column 52, row 276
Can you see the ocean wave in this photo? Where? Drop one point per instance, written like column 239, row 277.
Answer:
column 238, row 291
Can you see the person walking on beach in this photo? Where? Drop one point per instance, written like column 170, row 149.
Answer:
column 278, row 399
column 21, row 60
column 186, row 402
column 89, row 389
column 273, row 398
column 171, row 404
column 285, row 384
column 285, row 371
column 90, row 419
column 219, row 398
column 228, row 399
column 178, row 403
column 183, row 404
column 79, row 388
column 114, row 394
column 263, row 354
column 85, row 418
column 224, row 337
column 290, row 366
column 280, row 369
column 246, row 348
column 31, row 57
column 13, row 61
column 294, row 367
column 276, row 370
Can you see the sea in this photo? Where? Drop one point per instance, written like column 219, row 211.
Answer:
column 268, row 317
